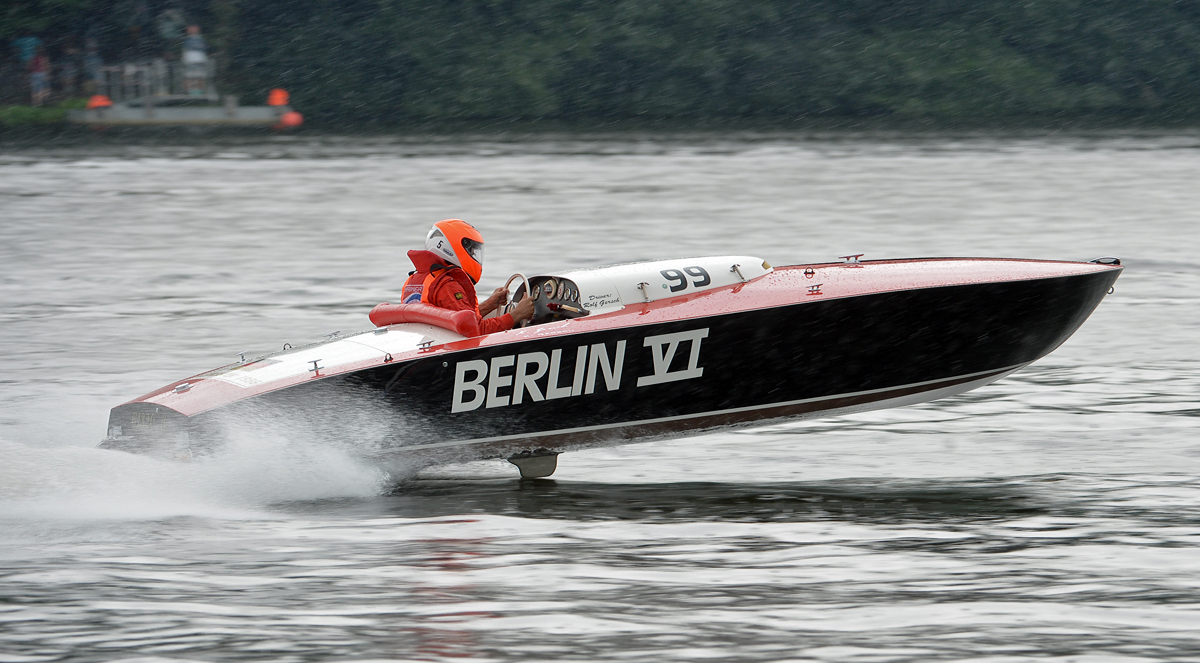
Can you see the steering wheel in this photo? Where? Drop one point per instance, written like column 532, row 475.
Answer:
column 512, row 302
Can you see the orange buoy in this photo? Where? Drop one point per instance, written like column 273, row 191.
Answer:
column 290, row 120
column 99, row 101
column 277, row 97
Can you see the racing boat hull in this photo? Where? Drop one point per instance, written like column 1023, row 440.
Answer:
column 792, row 343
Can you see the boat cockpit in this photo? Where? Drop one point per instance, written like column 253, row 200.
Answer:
column 579, row 293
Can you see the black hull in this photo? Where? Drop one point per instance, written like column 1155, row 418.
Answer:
column 809, row 359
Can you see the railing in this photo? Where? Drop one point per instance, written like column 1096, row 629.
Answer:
column 154, row 78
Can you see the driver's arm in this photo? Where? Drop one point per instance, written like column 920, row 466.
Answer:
column 523, row 310
column 449, row 295
column 498, row 298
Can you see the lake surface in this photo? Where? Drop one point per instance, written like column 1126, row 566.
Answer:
column 1054, row 515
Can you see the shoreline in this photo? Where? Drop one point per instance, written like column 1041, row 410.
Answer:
column 504, row 129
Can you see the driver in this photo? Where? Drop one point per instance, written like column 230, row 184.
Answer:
column 447, row 271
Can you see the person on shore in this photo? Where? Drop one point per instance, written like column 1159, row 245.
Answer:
column 39, row 77
column 91, row 68
column 68, row 71
column 26, row 47
column 447, row 271
column 195, row 62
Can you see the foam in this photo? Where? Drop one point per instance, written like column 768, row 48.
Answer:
column 242, row 480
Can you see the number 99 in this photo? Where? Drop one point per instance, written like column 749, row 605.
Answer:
column 680, row 280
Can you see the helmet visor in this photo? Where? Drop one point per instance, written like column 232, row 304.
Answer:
column 473, row 249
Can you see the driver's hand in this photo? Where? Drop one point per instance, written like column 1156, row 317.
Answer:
column 500, row 295
column 523, row 310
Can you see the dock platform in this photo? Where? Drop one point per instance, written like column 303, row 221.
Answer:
column 171, row 112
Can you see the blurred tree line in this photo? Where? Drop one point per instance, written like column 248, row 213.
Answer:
column 393, row 61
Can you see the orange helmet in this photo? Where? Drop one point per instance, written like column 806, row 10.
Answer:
column 459, row 243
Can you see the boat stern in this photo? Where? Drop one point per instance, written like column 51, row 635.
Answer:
column 148, row 429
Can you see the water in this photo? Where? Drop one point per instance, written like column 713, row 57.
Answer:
column 1054, row 515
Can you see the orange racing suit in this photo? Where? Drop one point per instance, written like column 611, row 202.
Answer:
column 447, row 286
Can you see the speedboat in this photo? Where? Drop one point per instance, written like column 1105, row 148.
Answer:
column 635, row 352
